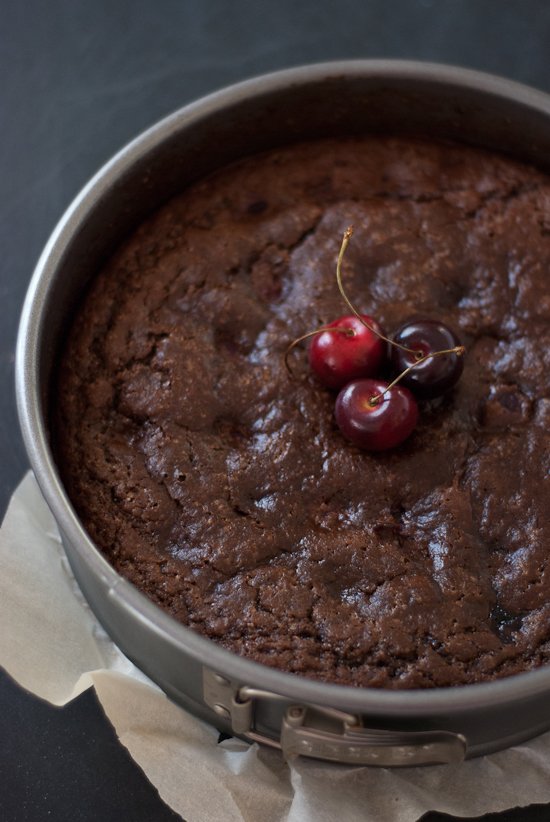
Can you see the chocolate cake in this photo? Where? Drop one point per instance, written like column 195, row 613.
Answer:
column 220, row 485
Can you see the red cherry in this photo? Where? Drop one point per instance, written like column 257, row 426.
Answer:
column 432, row 376
column 380, row 424
column 336, row 357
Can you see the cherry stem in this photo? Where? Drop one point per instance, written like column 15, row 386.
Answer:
column 349, row 332
column 458, row 350
column 345, row 241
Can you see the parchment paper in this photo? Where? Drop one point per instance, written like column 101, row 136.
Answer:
column 51, row 644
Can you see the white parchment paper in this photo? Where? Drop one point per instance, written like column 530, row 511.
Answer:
column 51, row 644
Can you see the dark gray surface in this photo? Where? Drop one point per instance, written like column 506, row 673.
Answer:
column 79, row 80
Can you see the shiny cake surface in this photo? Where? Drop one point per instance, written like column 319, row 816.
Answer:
column 221, row 487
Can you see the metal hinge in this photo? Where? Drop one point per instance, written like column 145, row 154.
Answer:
column 327, row 733
column 236, row 704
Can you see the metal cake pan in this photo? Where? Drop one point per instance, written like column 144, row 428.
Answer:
column 338, row 723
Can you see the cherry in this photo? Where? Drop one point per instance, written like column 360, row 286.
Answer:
column 429, row 376
column 355, row 350
column 374, row 415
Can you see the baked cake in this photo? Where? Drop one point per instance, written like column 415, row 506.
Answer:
column 220, row 485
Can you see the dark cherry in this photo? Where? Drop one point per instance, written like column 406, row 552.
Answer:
column 337, row 357
column 378, row 424
column 435, row 375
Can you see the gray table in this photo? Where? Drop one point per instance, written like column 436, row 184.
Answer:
column 78, row 80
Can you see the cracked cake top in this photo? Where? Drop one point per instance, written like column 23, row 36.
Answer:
column 222, row 488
